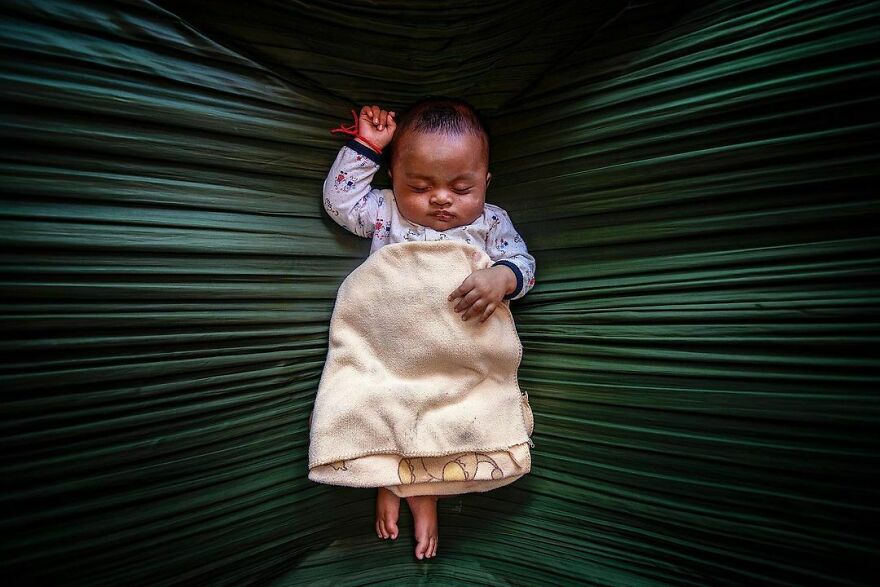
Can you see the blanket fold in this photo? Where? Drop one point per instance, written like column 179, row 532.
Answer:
column 406, row 377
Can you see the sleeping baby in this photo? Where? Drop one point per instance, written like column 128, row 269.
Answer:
column 438, row 165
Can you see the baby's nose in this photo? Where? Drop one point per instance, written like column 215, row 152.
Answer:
column 441, row 197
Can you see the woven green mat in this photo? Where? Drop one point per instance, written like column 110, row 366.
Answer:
column 698, row 185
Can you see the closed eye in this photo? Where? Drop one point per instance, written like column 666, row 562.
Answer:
column 422, row 190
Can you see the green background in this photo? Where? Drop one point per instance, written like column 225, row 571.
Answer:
column 698, row 184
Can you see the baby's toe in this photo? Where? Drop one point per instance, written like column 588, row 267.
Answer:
column 391, row 528
column 421, row 548
column 380, row 529
column 426, row 547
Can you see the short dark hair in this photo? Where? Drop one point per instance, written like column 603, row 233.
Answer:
column 440, row 114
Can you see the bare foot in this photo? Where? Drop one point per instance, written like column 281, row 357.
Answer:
column 387, row 511
column 424, row 511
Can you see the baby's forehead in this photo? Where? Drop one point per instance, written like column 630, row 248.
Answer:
column 462, row 175
column 417, row 137
column 418, row 145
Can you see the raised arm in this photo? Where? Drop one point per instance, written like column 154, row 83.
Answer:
column 348, row 197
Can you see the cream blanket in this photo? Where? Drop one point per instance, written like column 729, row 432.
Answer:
column 406, row 377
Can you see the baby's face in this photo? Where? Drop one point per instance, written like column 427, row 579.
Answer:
column 437, row 172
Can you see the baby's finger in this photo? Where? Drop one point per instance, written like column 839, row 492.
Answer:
column 487, row 312
column 367, row 114
column 376, row 111
column 392, row 123
column 460, row 291
column 383, row 119
column 468, row 299
column 474, row 310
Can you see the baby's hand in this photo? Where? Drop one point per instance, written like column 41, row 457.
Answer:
column 377, row 125
column 483, row 290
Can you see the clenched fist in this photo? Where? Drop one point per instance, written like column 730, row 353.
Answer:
column 376, row 125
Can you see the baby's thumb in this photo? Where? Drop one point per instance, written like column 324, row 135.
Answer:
column 391, row 123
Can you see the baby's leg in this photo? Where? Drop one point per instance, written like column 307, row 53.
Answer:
column 387, row 512
column 424, row 511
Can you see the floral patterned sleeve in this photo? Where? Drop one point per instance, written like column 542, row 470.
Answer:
column 505, row 246
column 348, row 198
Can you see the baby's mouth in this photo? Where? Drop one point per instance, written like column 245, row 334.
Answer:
column 442, row 215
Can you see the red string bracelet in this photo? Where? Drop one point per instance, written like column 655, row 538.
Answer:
column 353, row 130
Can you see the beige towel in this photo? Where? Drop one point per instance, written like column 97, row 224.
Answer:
column 405, row 375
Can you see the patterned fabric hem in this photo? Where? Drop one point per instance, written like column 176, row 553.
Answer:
column 464, row 472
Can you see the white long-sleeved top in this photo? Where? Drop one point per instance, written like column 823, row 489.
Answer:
column 372, row 213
